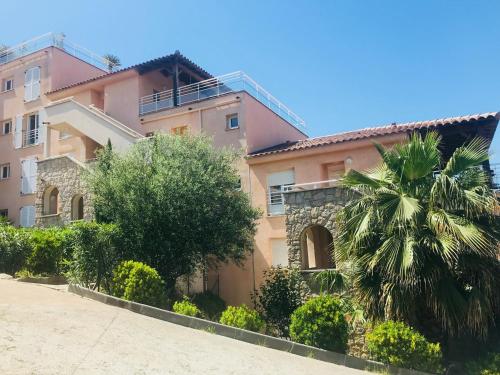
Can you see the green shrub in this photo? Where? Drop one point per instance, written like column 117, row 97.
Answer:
column 488, row 365
column 281, row 293
column 242, row 317
column 121, row 275
column 186, row 307
column 143, row 284
column 94, row 254
column 320, row 322
column 398, row 344
column 49, row 247
column 14, row 248
column 210, row 305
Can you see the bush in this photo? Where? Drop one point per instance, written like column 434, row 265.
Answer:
column 94, row 254
column 14, row 248
column 242, row 317
column 186, row 307
column 397, row 344
column 143, row 284
column 320, row 322
column 210, row 305
column 488, row 365
column 281, row 293
column 121, row 275
column 48, row 249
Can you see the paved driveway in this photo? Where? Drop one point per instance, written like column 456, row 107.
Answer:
column 45, row 331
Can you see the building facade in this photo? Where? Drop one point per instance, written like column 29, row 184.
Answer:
column 291, row 177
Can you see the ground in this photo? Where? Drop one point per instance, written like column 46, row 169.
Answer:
column 48, row 331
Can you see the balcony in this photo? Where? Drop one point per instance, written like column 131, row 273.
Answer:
column 30, row 137
column 52, row 40
column 212, row 88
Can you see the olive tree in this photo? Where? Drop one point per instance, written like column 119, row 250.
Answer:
column 177, row 202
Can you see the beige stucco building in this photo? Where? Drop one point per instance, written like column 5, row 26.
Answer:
column 291, row 177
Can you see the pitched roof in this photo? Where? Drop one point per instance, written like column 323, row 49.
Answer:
column 373, row 132
column 176, row 56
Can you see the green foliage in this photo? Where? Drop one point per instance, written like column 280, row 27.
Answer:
column 210, row 305
column 242, row 317
column 49, row 247
column 14, row 248
column 186, row 307
column 320, row 322
column 487, row 365
column 281, row 293
column 397, row 344
column 423, row 246
column 143, row 284
column 94, row 254
column 121, row 276
column 176, row 201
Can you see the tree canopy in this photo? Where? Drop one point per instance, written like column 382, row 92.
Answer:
column 177, row 201
column 424, row 243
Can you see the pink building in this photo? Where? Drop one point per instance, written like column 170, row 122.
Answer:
column 59, row 107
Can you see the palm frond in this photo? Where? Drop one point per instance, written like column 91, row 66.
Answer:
column 468, row 156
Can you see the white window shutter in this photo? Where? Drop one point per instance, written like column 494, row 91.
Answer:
column 279, row 252
column 28, row 77
column 22, row 217
column 31, row 216
column 18, row 132
column 32, row 176
column 42, row 129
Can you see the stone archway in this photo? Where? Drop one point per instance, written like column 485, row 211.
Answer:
column 306, row 209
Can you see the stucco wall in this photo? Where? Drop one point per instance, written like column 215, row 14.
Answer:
column 65, row 174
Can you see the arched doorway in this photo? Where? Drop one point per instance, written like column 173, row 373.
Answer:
column 316, row 244
column 51, row 201
column 77, row 207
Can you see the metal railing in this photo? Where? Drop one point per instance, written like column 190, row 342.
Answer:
column 276, row 199
column 495, row 175
column 214, row 87
column 314, row 185
column 31, row 137
column 52, row 40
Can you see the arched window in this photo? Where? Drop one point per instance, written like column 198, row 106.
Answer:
column 77, row 207
column 317, row 248
column 51, row 201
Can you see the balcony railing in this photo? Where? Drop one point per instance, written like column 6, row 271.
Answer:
column 52, row 40
column 215, row 87
column 30, row 137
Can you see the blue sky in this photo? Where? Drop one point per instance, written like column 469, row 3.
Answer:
column 341, row 65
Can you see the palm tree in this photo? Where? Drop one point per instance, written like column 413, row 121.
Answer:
column 424, row 244
column 113, row 61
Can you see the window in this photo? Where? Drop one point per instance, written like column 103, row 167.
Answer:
column 232, row 121
column 6, row 127
column 31, row 134
column 64, row 135
column 180, row 130
column 27, row 216
column 32, row 84
column 277, row 184
column 77, row 207
column 7, row 84
column 4, row 171
column 28, row 176
column 4, row 212
column 279, row 250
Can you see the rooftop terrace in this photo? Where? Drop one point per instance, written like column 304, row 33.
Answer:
column 52, row 40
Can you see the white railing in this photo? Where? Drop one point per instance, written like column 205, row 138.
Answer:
column 215, row 87
column 314, row 185
column 276, row 199
column 30, row 137
column 52, row 40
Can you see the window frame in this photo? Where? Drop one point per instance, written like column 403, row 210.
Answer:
column 4, row 167
column 229, row 123
column 4, row 212
column 5, row 82
column 4, row 123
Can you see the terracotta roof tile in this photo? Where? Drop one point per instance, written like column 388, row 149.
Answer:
column 183, row 59
column 371, row 132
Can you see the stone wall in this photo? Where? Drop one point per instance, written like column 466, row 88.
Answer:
column 64, row 173
column 310, row 207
